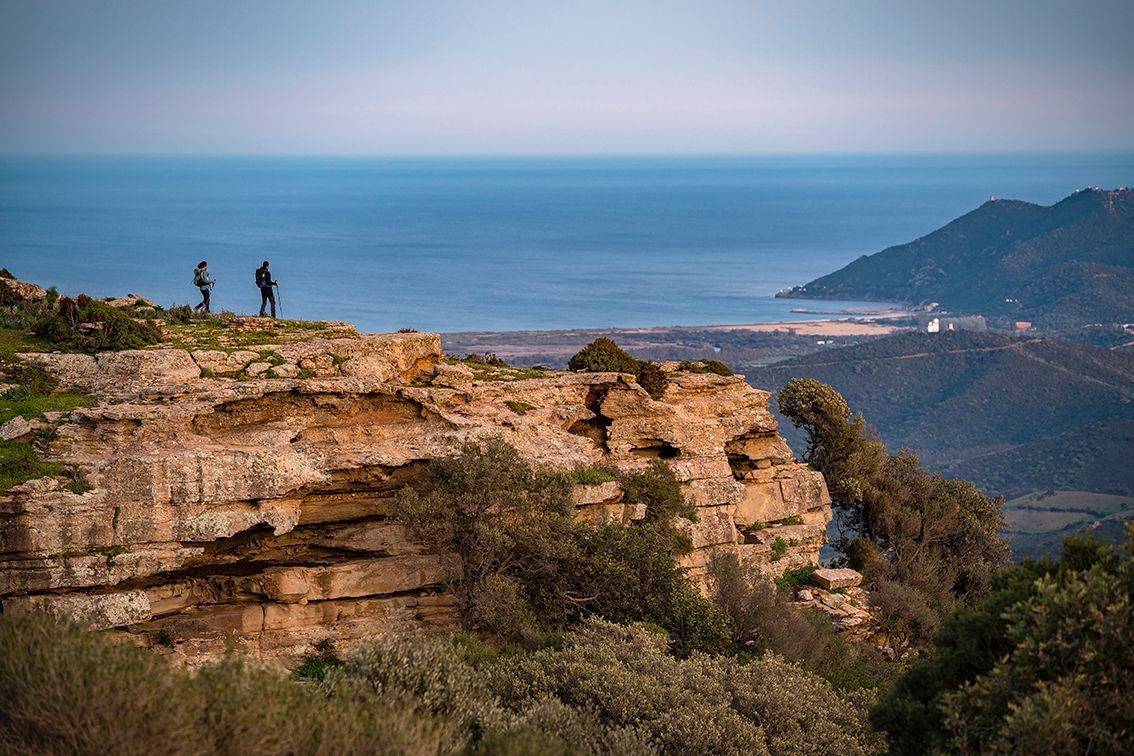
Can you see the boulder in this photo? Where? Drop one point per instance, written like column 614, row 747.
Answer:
column 18, row 427
column 286, row 370
column 131, row 301
column 452, row 376
column 831, row 579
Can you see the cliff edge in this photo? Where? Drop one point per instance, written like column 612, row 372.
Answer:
column 235, row 492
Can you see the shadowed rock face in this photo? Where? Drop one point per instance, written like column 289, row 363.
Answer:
column 257, row 511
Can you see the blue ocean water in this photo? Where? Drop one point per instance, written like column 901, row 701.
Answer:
column 454, row 244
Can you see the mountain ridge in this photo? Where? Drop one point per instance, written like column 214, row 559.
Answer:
column 1064, row 265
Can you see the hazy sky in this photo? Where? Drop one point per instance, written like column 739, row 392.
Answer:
column 569, row 76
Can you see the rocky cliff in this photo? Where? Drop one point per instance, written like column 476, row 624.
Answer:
column 241, row 494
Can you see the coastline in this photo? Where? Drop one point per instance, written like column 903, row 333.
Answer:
column 737, row 344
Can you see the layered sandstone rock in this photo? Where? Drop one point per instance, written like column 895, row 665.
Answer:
column 254, row 510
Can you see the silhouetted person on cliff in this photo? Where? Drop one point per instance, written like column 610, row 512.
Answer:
column 204, row 282
column 265, row 282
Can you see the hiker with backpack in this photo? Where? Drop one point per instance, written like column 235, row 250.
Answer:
column 204, row 282
column 265, row 283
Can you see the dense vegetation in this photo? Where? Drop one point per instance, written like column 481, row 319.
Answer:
column 1044, row 663
column 926, row 545
column 588, row 639
column 597, row 643
column 1067, row 265
column 71, row 691
column 1012, row 415
column 524, row 567
column 603, row 689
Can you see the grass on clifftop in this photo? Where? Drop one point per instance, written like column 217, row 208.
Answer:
column 19, row 463
column 496, row 371
column 84, row 324
column 33, row 395
column 35, row 392
column 22, row 403
column 228, row 334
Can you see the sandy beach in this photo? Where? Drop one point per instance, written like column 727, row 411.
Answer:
column 738, row 343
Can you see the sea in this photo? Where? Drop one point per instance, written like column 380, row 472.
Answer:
column 489, row 243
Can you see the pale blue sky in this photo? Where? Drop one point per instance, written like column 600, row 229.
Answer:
column 526, row 76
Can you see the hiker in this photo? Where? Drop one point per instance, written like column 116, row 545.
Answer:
column 265, row 282
column 203, row 282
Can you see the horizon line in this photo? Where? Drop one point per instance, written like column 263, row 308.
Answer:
column 576, row 155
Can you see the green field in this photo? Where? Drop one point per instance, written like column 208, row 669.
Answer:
column 1038, row 521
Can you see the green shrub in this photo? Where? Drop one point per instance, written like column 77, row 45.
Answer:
column 914, row 532
column 652, row 378
column 763, row 620
column 779, row 549
column 631, row 571
column 657, row 488
column 427, row 671
column 316, row 665
column 592, row 476
column 504, row 520
column 432, row 674
column 1043, row 663
column 92, row 326
column 68, row 690
column 524, row 567
column 30, row 379
column 181, row 314
column 520, row 408
column 702, row 705
column 25, row 315
column 487, row 358
column 603, row 356
column 798, row 576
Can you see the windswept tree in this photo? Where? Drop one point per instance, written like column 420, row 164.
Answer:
column 926, row 544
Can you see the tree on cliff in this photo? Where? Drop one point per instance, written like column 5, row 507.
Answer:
column 500, row 517
column 926, row 544
column 523, row 566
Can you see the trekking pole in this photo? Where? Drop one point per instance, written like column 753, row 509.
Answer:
column 279, row 299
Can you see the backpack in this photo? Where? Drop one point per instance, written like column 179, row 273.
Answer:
column 263, row 278
column 199, row 277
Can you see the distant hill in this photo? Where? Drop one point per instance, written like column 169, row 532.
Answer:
column 1015, row 415
column 1063, row 266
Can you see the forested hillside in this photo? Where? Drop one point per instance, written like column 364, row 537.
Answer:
column 1013, row 415
column 1064, row 266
